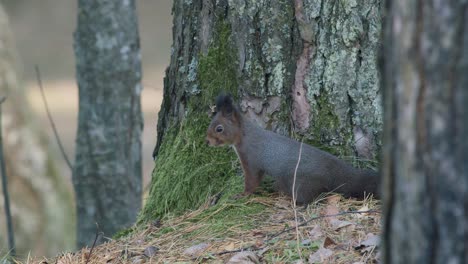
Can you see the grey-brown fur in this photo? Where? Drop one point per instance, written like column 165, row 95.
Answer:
column 264, row 152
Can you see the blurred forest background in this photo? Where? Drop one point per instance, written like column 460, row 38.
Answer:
column 43, row 32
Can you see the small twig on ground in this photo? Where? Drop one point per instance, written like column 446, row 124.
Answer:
column 232, row 251
column 225, row 252
column 6, row 197
column 294, row 196
column 229, row 252
column 49, row 116
column 94, row 243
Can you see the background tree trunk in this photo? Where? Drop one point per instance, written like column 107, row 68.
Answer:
column 304, row 68
column 107, row 172
column 426, row 135
column 40, row 197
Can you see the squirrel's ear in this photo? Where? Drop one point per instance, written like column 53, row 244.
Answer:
column 224, row 104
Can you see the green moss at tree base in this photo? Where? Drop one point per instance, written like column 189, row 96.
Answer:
column 188, row 171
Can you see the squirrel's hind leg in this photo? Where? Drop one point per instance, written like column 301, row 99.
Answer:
column 252, row 179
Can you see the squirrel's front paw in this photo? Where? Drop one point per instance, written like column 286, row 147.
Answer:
column 240, row 195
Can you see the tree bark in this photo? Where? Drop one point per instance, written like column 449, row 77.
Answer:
column 40, row 196
column 107, row 171
column 303, row 68
column 425, row 153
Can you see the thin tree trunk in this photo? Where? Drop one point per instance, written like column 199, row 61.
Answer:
column 6, row 193
column 40, row 196
column 426, row 135
column 301, row 68
column 107, row 171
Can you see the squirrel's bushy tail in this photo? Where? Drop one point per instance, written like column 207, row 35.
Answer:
column 363, row 183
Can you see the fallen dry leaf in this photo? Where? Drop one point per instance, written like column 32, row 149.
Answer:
column 320, row 255
column 331, row 210
column 258, row 233
column 315, row 233
column 259, row 243
column 371, row 240
column 328, row 242
column 369, row 243
column 338, row 224
column 245, row 257
column 283, row 204
column 278, row 217
column 333, row 199
column 291, row 223
column 196, row 250
column 150, row 251
column 137, row 260
column 306, row 242
column 229, row 247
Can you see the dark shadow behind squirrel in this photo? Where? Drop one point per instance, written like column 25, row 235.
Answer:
column 264, row 152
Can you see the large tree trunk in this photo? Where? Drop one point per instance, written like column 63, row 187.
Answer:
column 40, row 196
column 301, row 68
column 107, row 172
column 426, row 135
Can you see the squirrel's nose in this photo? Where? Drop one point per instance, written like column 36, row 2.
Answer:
column 207, row 142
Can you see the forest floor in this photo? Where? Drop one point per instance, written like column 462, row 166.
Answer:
column 258, row 229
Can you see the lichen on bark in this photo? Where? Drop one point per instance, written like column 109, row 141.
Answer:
column 262, row 35
column 108, row 145
column 344, row 70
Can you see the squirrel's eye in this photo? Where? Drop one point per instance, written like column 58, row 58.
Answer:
column 219, row 128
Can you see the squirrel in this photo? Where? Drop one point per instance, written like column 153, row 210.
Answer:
column 263, row 152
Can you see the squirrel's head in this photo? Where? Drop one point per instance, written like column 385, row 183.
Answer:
column 225, row 127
